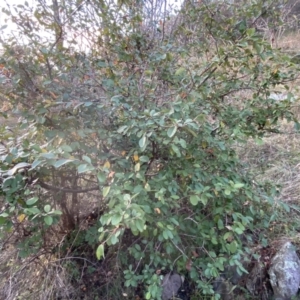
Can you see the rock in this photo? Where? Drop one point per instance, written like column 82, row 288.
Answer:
column 284, row 272
column 171, row 285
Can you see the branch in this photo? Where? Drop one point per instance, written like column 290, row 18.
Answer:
column 66, row 190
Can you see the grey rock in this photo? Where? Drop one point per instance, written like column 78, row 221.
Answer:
column 171, row 285
column 284, row 272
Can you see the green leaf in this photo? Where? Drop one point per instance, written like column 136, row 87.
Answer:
column 105, row 219
column 116, row 219
column 285, row 206
column 101, row 237
column 171, row 131
column 126, row 198
column 176, row 150
column 174, row 221
column 212, row 254
column 180, row 72
column 137, row 167
column 139, row 225
column 47, row 208
column 66, row 148
column 147, row 187
column 122, row 129
column 133, row 228
column 170, row 227
column 165, row 234
column 142, row 141
column 194, row 199
column 84, row 168
column 31, row 201
column 227, row 192
column 159, row 224
column 214, row 240
column 44, row 50
column 48, row 155
column 101, row 177
column 35, row 164
column 238, row 185
column 105, row 191
column 170, row 234
column 100, row 252
column 48, row 220
column 87, row 159
column 238, row 230
column 3, row 220
column 32, row 211
column 114, row 239
column 203, row 199
column 297, row 126
column 232, row 247
column 62, row 162
column 144, row 158
column 182, row 143
column 250, row 31
column 220, row 224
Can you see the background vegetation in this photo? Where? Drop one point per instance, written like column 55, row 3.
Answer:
column 130, row 133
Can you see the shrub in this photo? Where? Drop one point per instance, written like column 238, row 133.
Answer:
column 146, row 115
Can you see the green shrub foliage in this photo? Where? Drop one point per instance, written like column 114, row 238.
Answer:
column 146, row 112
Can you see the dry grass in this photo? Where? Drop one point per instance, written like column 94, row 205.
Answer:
column 36, row 277
column 277, row 160
column 70, row 272
column 289, row 42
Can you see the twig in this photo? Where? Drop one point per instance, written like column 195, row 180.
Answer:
column 66, row 190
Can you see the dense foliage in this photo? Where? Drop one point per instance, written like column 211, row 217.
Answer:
column 137, row 112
